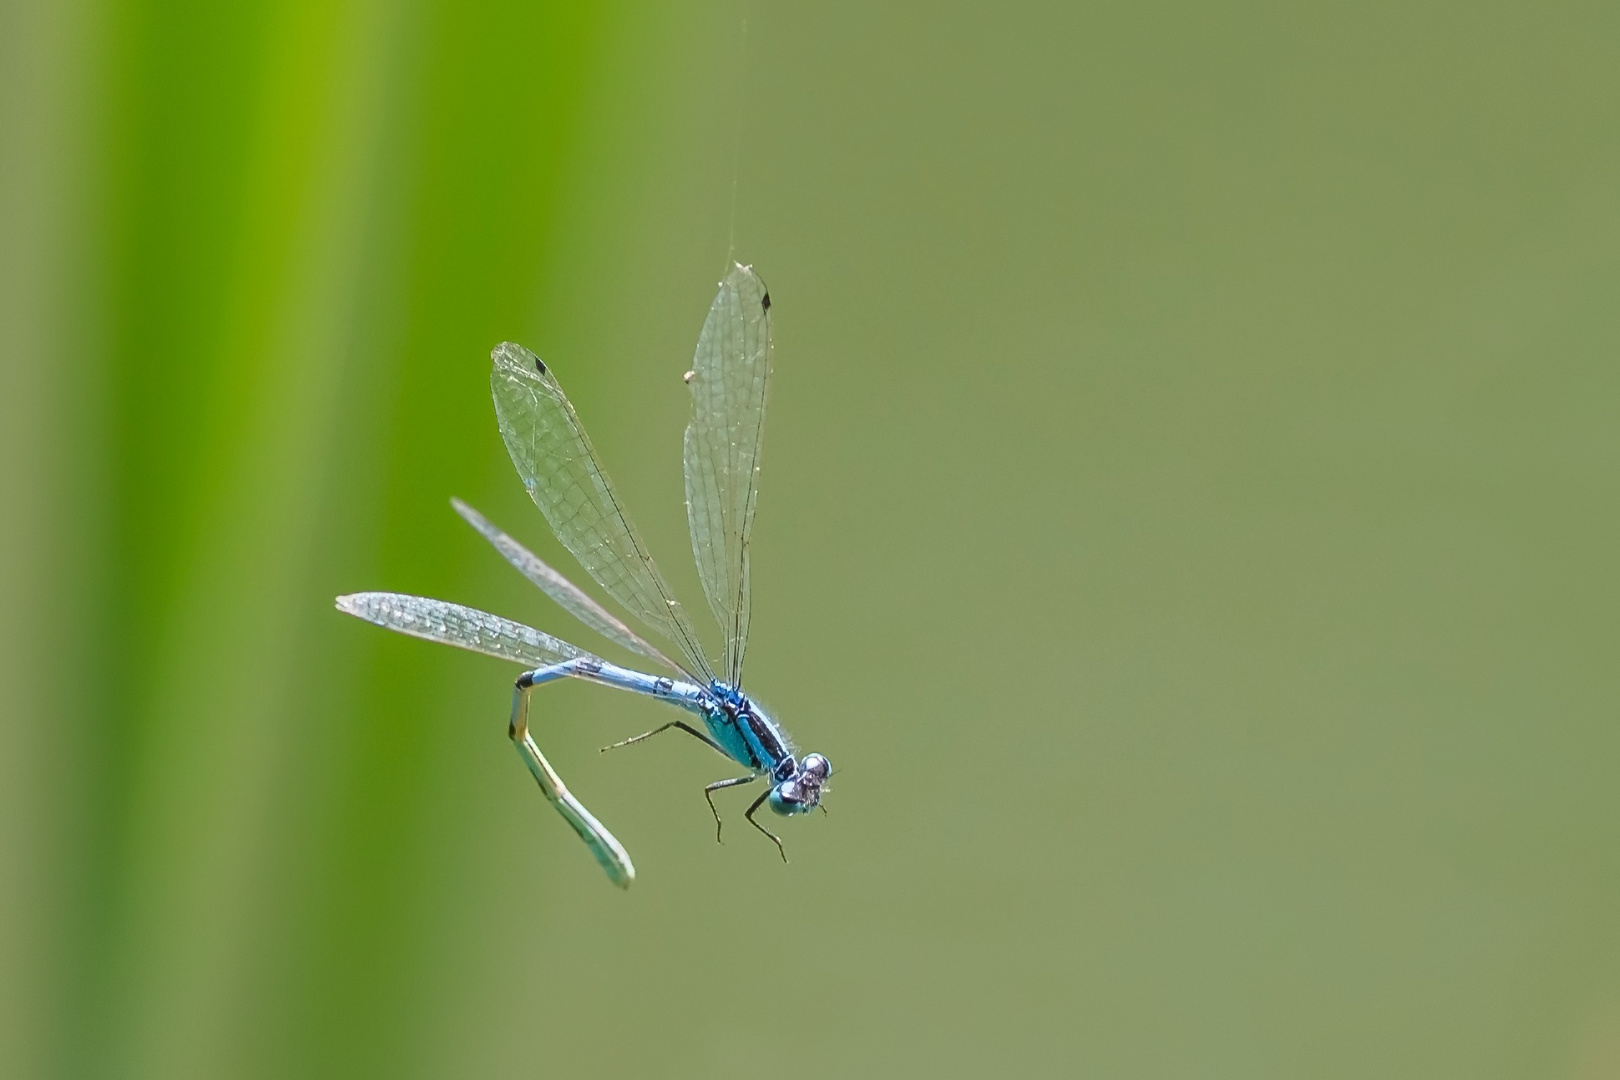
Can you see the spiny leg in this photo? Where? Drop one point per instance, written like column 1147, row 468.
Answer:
column 683, row 725
column 777, row 840
column 708, row 793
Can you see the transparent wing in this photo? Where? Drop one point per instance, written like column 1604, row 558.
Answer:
column 569, row 596
column 463, row 627
column 560, row 471
column 728, row 378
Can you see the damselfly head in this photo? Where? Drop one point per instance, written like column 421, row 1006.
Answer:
column 801, row 793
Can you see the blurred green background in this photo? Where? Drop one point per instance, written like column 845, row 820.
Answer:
column 1189, row 523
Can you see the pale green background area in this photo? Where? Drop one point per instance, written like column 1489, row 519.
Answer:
column 1188, row 524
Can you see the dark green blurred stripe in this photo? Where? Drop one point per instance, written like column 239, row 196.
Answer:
column 317, row 219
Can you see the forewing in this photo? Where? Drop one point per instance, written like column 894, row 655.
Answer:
column 722, row 448
column 569, row 596
column 562, row 475
column 464, row 627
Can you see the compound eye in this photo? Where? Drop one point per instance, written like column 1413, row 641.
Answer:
column 787, row 798
column 817, row 766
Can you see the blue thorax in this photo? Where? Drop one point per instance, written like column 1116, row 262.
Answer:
column 745, row 732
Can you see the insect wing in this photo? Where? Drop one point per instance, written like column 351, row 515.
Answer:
column 560, row 470
column 464, row 627
column 569, row 596
column 722, row 449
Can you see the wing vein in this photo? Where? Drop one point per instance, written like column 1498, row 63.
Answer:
column 565, row 479
column 723, row 445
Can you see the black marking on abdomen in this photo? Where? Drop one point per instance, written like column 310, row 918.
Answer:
column 663, row 685
column 590, row 665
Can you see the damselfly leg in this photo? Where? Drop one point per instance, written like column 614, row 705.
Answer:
column 708, row 793
column 694, row 732
column 777, row 840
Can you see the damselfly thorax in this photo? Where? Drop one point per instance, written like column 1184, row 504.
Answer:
column 751, row 738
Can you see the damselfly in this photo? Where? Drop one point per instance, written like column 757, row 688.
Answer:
column 565, row 479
